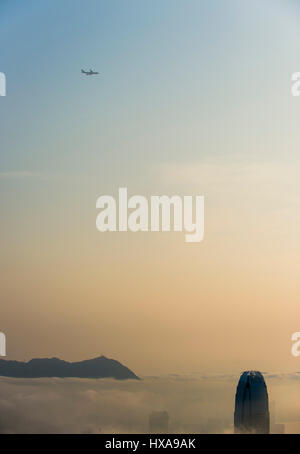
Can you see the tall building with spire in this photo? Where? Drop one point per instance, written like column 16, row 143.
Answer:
column 252, row 404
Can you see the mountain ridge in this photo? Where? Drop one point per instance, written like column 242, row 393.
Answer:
column 99, row 367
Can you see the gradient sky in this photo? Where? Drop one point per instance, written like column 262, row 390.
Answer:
column 193, row 98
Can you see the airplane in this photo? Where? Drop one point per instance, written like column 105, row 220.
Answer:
column 89, row 73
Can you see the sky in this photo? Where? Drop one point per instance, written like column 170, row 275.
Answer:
column 193, row 98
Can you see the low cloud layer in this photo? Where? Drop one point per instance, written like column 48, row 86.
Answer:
column 194, row 404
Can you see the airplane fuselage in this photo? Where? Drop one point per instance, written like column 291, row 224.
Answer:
column 89, row 73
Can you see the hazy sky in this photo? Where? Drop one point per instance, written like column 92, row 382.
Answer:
column 193, row 98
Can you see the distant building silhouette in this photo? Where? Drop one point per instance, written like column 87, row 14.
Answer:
column 159, row 422
column 252, row 404
column 278, row 429
column 275, row 428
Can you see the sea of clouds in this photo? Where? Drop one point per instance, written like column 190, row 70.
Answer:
column 202, row 404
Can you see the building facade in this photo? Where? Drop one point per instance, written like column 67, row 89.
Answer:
column 252, row 404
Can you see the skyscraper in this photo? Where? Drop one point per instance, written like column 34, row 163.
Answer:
column 251, row 404
column 159, row 422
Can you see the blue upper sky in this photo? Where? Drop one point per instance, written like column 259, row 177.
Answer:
column 169, row 70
